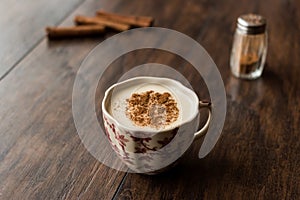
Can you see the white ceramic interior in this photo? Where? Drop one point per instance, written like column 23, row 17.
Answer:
column 187, row 96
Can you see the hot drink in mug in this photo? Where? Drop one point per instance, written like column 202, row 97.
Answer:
column 150, row 122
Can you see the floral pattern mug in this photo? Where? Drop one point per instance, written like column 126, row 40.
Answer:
column 150, row 152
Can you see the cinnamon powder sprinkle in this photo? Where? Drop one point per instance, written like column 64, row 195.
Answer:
column 152, row 109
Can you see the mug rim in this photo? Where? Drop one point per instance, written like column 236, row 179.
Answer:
column 119, row 124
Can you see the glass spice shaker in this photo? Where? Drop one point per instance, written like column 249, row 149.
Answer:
column 249, row 47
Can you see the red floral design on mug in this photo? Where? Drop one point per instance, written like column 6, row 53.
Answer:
column 144, row 150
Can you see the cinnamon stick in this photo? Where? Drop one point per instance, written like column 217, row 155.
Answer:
column 83, row 20
column 74, row 31
column 138, row 21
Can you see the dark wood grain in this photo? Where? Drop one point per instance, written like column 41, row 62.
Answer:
column 257, row 157
column 41, row 154
column 22, row 26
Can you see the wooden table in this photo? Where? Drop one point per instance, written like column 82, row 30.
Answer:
column 42, row 157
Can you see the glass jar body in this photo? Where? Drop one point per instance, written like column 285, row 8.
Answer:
column 248, row 54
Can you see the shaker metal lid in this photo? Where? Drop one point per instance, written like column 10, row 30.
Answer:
column 251, row 23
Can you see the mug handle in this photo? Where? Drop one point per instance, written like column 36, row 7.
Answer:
column 203, row 130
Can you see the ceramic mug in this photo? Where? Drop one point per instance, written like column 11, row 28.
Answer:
column 145, row 151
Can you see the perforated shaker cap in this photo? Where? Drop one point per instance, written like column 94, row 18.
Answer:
column 251, row 24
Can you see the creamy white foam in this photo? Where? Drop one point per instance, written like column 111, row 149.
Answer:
column 121, row 93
